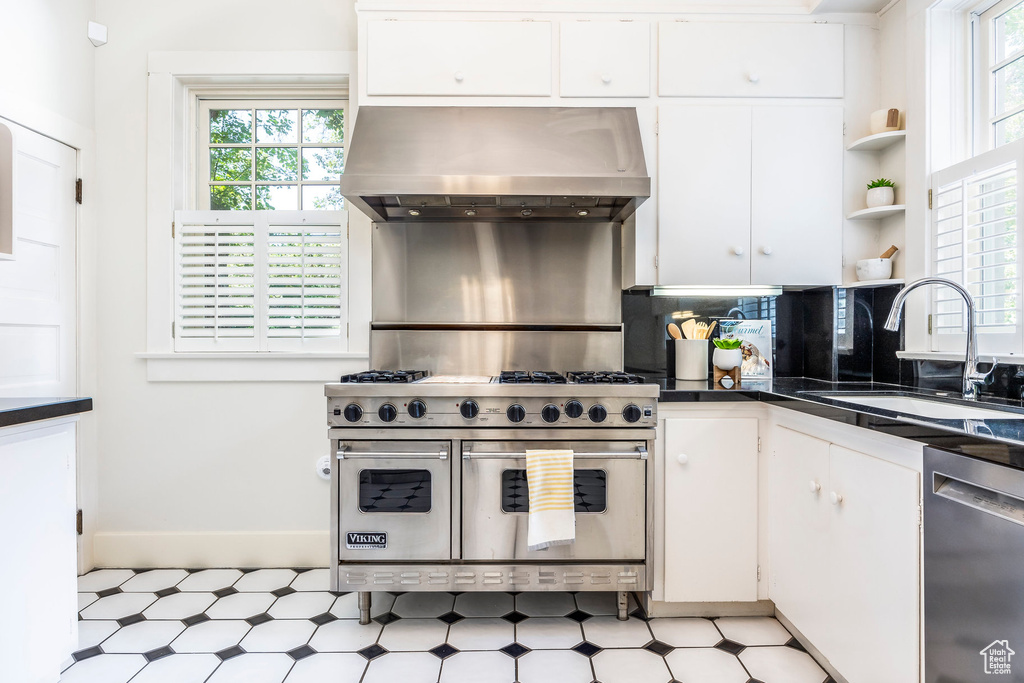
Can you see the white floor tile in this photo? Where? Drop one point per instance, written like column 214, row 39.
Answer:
column 484, row 604
column 413, row 635
column 407, row 667
column 154, row 580
column 265, row 580
column 479, row 667
column 92, row 633
column 630, row 666
column 344, row 635
column 240, row 606
column 278, row 635
column 179, row 606
column 686, row 632
column 105, row 668
column 210, row 580
column 486, row 633
column 545, row 604
column 423, row 604
column 772, row 664
column 86, row 599
column 332, row 666
column 178, row 669
column 143, row 637
column 302, row 605
column 118, row 606
column 346, row 607
column 102, row 579
column 548, row 633
column 707, row 665
column 610, row 632
column 597, row 603
column 253, row 668
column 753, row 630
column 211, row 636
column 313, row 580
column 545, row 666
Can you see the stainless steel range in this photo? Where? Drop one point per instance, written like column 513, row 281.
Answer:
column 429, row 491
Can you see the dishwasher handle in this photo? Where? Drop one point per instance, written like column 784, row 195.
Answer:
column 980, row 498
column 345, row 454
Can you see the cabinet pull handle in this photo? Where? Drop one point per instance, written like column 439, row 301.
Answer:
column 606, row 78
column 836, row 498
column 682, row 458
column 738, row 251
column 815, row 486
column 767, row 251
column 459, row 76
column 754, row 77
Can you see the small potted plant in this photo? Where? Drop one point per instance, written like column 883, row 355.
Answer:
column 880, row 193
column 728, row 354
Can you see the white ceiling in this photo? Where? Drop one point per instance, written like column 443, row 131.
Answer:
column 822, row 6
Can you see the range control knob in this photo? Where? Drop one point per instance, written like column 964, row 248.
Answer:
column 573, row 409
column 631, row 413
column 387, row 412
column 469, row 409
column 516, row 413
column 550, row 413
column 353, row 412
column 417, row 409
column 597, row 413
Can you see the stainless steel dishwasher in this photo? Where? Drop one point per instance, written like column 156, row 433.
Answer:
column 973, row 569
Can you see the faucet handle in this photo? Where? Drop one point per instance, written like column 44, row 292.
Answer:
column 984, row 377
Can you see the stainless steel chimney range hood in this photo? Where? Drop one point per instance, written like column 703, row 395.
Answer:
column 496, row 164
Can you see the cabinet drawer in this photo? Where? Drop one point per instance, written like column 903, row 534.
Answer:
column 458, row 58
column 605, row 59
column 707, row 59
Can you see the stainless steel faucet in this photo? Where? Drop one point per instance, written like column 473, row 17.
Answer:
column 972, row 378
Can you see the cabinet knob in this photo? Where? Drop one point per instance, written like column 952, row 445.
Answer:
column 754, row 77
column 606, row 78
column 767, row 251
column 738, row 251
column 836, row 498
column 682, row 458
column 815, row 486
column 459, row 76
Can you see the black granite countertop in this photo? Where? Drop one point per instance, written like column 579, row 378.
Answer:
column 16, row 411
column 994, row 440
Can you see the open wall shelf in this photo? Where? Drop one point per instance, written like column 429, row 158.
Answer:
column 878, row 141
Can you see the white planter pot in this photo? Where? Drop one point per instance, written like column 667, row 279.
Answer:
column 727, row 359
column 880, row 196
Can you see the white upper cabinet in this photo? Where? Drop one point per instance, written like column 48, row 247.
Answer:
column 605, row 59
column 476, row 58
column 709, row 59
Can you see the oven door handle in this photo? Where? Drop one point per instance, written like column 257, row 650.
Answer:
column 345, row 454
column 640, row 453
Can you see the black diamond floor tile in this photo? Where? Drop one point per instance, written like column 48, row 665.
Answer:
column 195, row 619
column 258, row 619
column 301, row 652
column 324, row 618
column 579, row 616
column 338, row 594
column 587, row 649
column 731, row 646
column 451, row 617
column 444, row 651
column 395, row 593
column 302, row 570
column 194, row 570
column 225, row 592
column 229, row 652
column 164, row 592
column 87, row 653
column 639, row 614
column 754, row 680
column 158, row 653
column 281, row 592
column 106, row 593
column 515, row 617
column 795, row 644
column 373, row 651
column 248, row 570
column 130, row 619
column 658, row 647
column 386, row 618
column 515, row 650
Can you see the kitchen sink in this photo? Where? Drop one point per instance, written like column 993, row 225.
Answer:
column 925, row 407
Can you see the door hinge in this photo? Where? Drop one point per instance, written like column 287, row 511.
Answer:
column 78, row 522
column 172, row 329
column 929, row 323
column 172, row 230
column 78, row 191
column 920, row 516
column 655, row 262
column 758, row 444
column 758, row 572
column 929, row 198
column 657, row 127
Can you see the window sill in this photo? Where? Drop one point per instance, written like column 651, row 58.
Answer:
column 251, row 367
column 1005, row 358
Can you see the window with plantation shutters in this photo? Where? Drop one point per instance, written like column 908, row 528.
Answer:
column 260, row 281
column 975, row 236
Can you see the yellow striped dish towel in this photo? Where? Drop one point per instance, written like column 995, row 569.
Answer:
column 552, row 499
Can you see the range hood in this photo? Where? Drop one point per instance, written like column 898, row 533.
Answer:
column 495, row 164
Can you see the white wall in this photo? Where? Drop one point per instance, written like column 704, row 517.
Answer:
column 194, row 474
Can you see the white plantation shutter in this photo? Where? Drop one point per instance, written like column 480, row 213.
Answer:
column 258, row 281
column 975, row 234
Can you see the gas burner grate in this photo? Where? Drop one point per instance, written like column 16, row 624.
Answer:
column 384, row 377
column 601, row 377
column 534, row 377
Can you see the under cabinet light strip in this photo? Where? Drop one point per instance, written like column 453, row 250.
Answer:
column 723, row 291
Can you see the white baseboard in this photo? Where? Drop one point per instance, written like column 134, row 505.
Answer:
column 200, row 550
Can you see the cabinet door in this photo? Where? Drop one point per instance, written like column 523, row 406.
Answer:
column 704, row 195
column 796, row 198
column 708, row 59
column 800, row 529
column 605, row 59
column 458, row 58
column 710, row 510
column 874, row 569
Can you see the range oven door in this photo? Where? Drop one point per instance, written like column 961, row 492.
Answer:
column 610, row 478
column 394, row 500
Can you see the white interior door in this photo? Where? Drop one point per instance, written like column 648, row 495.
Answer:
column 37, row 288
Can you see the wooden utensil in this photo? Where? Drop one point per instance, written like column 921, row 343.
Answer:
column 702, row 330
column 688, row 328
column 712, row 328
column 673, row 331
column 890, row 252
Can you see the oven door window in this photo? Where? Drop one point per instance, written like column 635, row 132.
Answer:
column 591, row 491
column 394, row 491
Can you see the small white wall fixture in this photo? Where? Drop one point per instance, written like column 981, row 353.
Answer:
column 97, row 34
column 6, row 192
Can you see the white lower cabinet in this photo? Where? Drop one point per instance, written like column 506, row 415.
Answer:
column 845, row 556
column 710, row 530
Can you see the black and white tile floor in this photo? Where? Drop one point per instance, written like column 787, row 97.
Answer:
column 283, row 625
